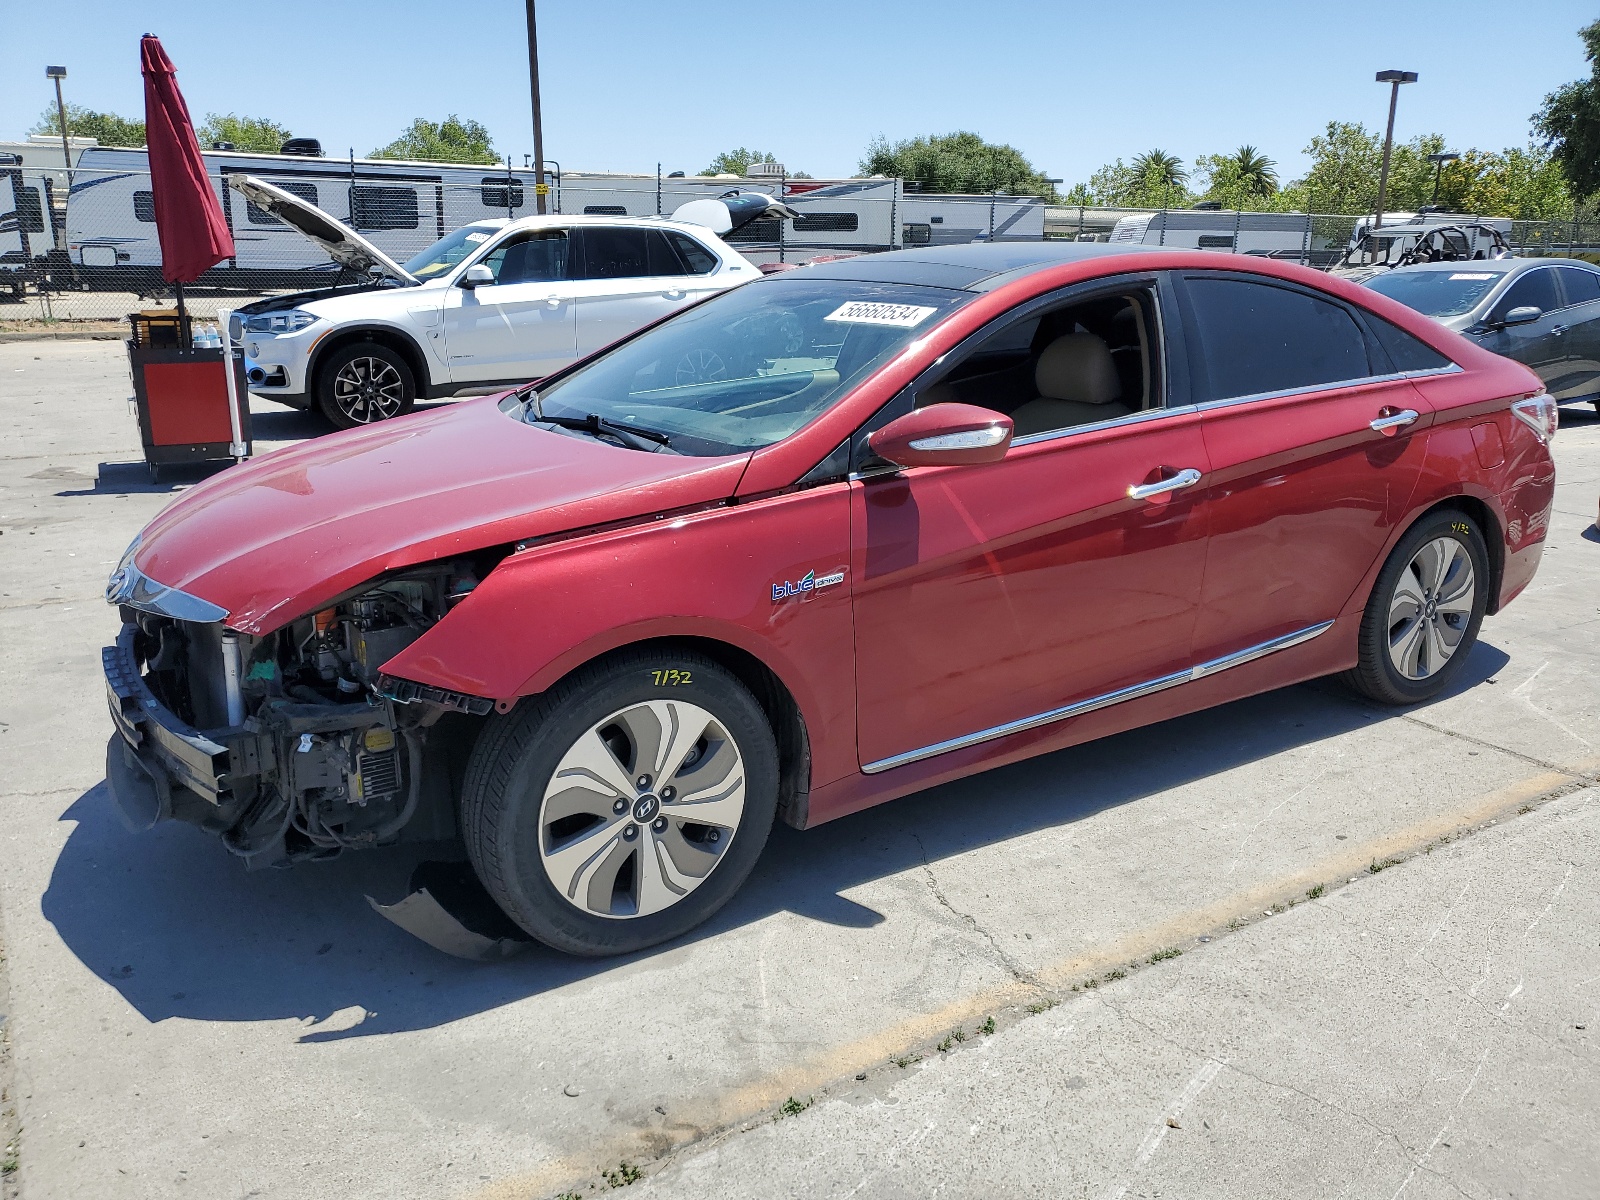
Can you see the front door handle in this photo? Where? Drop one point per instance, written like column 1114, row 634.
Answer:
column 1390, row 421
column 1187, row 477
column 674, row 293
column 553, row 301
column 1558, row 330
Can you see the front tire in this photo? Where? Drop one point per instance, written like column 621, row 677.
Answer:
column 1422, row 618
column 624, row 806
column 364, row 383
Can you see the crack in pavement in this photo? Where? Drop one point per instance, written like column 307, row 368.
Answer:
column 1016, row 970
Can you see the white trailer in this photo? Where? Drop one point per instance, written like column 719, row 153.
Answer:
column 1272, row 235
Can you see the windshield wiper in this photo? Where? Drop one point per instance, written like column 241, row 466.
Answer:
column 596, row 425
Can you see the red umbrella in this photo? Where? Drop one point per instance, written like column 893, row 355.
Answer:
column 194, row 236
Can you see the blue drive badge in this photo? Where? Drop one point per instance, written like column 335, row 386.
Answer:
column 811, row 583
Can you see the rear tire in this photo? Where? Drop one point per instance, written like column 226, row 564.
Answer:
column 598, row 825
column 365, row 383
column 1422, row 618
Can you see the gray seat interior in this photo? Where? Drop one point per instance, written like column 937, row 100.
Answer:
column 1077, row 383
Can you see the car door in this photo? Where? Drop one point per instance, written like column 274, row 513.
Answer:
column 521, row 326
column 1579, row 326
column 989, row 599
column 1536, row 343
column 626, row 277
column 1310, row 432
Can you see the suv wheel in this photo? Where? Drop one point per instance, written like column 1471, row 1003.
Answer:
column 363, row 383
column 624, row 806
column 1424, row 612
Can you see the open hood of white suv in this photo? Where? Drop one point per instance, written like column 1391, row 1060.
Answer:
column 343, row 244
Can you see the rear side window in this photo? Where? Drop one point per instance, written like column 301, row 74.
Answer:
column 1406, row 353
column 619, row 253
column 696, row 257
column 1581, row 286
column 1536, row 288
column 1255, row 338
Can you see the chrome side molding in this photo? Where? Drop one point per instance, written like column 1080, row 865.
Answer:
column 1135, row 692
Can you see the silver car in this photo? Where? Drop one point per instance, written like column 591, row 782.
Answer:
column 1543, row 312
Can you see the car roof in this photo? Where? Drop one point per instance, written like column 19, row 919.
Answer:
column 1497, row 266
column 964, row 267
column 564, row 220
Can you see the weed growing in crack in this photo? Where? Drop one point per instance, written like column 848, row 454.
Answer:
column 1045, row 1005
column 955, row 1035
column 905, row 1060
column 793, row 1108
column 1526, row 808
column 1115, row 974
column 1090, row 983
column 1162, row 955
column 624, row 1174
column 1384, row 864
column 1236, row 923
column 987, row 1027
column 1314, row 893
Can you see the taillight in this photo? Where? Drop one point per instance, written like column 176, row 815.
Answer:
column 1538, row 413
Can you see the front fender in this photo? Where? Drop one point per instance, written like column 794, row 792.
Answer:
column 547, row 610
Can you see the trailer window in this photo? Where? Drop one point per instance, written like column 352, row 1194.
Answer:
column 260, row 216
column 829, row 222
column 383, row 208
column 604, row 210
column 30, row 210
column 917, row 234
column 498, row 191
column 144, row 206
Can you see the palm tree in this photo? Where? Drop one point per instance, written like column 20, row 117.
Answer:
column 1161, row 167
column 1256, row 171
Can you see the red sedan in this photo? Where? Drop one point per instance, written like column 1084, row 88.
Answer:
column 831, row 537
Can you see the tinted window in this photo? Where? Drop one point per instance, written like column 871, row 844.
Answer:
column 1405, row 352
column 628, row 254
column 604, row 210
column 144, row 206
column 1537, row 288
column 383, row 208
column 497, row 191
column 30, row 210
column 534, row 258
column 1257, row 338
column 1581, row 286
column 817, row 222
column 260, row 216
column 698, row 259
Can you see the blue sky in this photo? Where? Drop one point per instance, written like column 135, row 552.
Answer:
column 628, row 83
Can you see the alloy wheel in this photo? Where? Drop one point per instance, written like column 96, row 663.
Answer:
column 1431, row 608
column 641, row 809
column 368, row 389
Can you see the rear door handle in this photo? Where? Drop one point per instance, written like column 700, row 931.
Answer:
column 553, row 301
column 1390, row 421
column 1187, row 477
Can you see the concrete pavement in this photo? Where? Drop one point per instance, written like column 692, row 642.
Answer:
column 177, row 1023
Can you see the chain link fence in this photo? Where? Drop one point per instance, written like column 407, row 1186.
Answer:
column 80, row 245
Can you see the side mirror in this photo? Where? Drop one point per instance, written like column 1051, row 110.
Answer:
column 944, row 435
column 1522, row 314
column 475, row 276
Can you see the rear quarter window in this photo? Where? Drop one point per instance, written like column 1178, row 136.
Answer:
column 1253, row 338
column 1404, row 351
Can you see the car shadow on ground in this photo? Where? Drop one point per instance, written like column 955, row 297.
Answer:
column 180, row 929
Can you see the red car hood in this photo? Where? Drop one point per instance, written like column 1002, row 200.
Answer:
column 274, row 538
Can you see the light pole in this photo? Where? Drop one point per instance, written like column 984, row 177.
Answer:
column 58, row 74
column 1438, row 161
column 1394, row 79
column 539, row 188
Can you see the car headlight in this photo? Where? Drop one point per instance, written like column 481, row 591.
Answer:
column 275, row 323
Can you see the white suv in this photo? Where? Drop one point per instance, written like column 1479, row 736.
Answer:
column 495, row 302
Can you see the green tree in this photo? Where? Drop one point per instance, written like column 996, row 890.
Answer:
column 108, row 128
column 451, row 140
column 1569, row 122
column 1521, row 183
column 960, row 162
column 1145, row 183
column 1163, row 169
column 1255, row 170
column 255, row 134
column 737, row 162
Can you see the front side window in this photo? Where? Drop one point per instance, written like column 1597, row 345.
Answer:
column 449, row 251
column 1437, row 294
column 1536, row 289
column 537, row 257
column 750, row 366
column 1088, row 360
column 1254, row 338
column 383, row 207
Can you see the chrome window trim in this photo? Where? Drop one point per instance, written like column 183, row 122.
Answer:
column 1362, row 381
column 1136, row 691
column 1148, row 414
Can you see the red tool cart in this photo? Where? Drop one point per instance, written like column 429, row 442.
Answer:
column 192, row 408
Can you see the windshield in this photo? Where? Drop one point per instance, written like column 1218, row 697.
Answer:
column 1437, row 293
column 747, row 368
column 448, row 251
